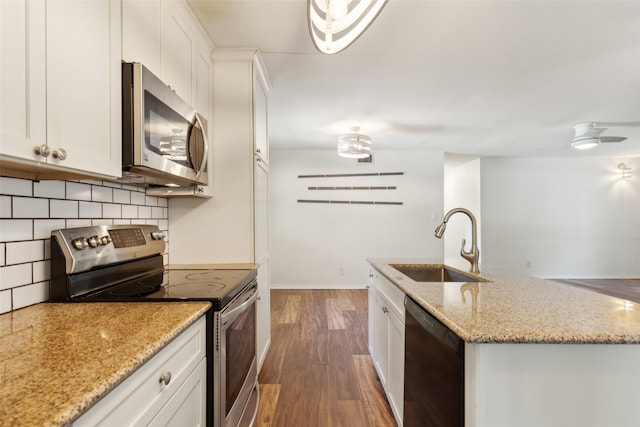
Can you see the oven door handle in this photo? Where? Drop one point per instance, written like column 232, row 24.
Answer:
column 235, row 312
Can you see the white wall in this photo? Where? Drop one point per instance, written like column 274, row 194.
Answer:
column 461, row 190
column 561, row 217
column 311, row 244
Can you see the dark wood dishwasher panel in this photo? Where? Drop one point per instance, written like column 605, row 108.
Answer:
column 628, row 289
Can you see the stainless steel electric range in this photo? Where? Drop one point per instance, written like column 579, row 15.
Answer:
column 125, row 263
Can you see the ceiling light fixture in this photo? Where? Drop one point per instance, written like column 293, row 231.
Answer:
column 585, row 143
column 335, row 24
column 354, row 145
column 626, row 171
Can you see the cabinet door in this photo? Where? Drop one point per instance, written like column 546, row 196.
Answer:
column 83, row 84
column 141, row 33
column 381, row 344
column 22, row 78
column 263, row 306
column 395, row 384
column 188, row 406
column 260, row 112
column 178, row 47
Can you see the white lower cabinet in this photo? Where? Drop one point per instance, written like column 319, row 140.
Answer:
column 168, row 390
column 386, row 338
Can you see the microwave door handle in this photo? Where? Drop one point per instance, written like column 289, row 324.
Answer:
column 203, row 166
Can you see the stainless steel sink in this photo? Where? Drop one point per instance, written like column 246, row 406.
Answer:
column 434, row 273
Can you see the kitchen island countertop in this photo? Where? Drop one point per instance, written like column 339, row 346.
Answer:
column 513, row 308
column 57, row 360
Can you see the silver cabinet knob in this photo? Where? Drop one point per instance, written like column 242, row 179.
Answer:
column 165, row 378
column 60, row 154
column 42, row 150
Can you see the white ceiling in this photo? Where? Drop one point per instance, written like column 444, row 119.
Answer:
column 487, row 78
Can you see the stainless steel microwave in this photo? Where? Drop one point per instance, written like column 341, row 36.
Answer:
column 164, row 140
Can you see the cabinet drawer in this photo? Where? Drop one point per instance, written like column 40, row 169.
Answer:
column 141, row 396
column 391, row 292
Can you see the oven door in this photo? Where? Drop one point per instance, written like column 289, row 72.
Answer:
column 163, row 137
column 235, row 360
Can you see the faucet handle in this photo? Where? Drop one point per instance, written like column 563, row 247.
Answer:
column 462, row 251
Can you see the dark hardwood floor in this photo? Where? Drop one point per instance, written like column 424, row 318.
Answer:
column 318, row 371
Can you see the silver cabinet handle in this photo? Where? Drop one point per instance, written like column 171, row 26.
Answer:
column 165, row 378
column 60, row 154
column 42, row 150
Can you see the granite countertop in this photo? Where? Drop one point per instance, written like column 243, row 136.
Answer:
column 513, row 308
column 56, row 360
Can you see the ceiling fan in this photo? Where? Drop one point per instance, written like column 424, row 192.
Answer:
column 587, row 134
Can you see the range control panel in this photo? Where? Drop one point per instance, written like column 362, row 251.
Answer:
column 85, row 248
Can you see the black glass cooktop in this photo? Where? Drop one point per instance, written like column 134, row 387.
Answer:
column 217, row 286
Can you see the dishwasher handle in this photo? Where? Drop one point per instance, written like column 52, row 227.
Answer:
column 433, row 326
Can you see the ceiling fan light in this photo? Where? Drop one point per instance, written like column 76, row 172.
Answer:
column 585, row 143
column 354, row 146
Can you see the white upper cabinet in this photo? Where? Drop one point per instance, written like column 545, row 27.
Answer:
column 61, row 88
column 141, row 33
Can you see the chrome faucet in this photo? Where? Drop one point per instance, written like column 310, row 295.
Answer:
column 473, row 255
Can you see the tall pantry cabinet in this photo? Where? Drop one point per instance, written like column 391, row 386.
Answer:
column 231, row 228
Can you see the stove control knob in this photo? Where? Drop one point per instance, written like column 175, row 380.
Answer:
column 79, row 243
column 105, row 240
column 157, row 235
column 93, row 241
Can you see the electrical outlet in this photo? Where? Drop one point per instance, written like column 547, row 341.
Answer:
column 528, row 264
column 340, row 271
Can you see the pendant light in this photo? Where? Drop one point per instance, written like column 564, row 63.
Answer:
column 335, row 24
column 354, row 145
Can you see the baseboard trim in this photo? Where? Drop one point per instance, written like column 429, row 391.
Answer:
column 316, row 286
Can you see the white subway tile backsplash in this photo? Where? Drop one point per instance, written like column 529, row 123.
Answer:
column 158, row 212
column 42, row 227
column 112, row 184
column 129, row 211
column 90, row 210
column 5, row 301
column 16, row 187
column 21, row 252
column 31, row 294
column 12, row 230
column 75, row 223
column 15, row 275
column 24, row 207
column 41, row 271
column 121, row 196
column 144, row 211
column 151, row 201
column 50, row 189
column 138, row 198
column 78, row 191
column 110, row 210
column 5, row 206
column 30, row 210
column 101, row 194
column 63, row 209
